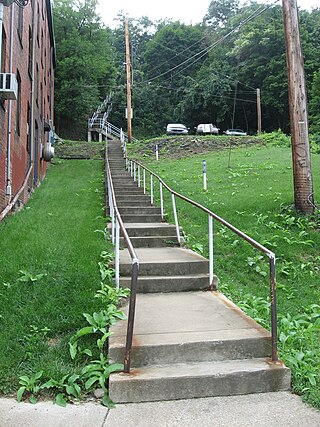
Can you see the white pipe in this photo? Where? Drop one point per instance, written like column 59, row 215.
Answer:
column 139, row 178
column 151, row 189
column 8, row 178
column 161, row 202
column 210, row 250
column 35, row 167
column 144, row 181
column 134, row 171
column 175, row 217
column 117, row 256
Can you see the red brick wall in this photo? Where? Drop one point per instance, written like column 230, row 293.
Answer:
column 20, row 131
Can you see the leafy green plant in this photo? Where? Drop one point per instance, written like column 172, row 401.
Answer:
column 98, row 371
column 110, row 294
column 68, row 388
column 32, row 340
column 30, row 385
column 27, row 277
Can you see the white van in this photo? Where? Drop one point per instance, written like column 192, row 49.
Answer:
column 207, row 129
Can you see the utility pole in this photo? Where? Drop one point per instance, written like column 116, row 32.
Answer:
column 259, row 110
column 128, row 65
column 302, row 174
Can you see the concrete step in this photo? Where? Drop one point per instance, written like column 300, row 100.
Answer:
column 164, row 262
column 129, row 199
column 163, row 284
column 133, row 203
column 125, row 184
column 144, row 210
column 122, row 191
column 141, row 218
column 192, row 380
column 151, row 229
column 151, row 241
column 194, row 344
column 189, row 327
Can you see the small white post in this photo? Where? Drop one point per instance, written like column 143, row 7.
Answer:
column 117, row 255
column 161, row 202
column 210, row 249
column 139, row 176
column 131, row 168
column 144, row 181
column 151, row 189
column 175, row 217
column 204, row 170
column 134, row 171
column 112, row 225
column 157, row 152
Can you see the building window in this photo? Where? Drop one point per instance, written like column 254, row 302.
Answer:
column 3, row 60
column 41, row 100
column 28, row 127
column 42, row 48
column 18, row 104
column 20, row 24
column 30, row 54
column 4, row 51
column 38, row 25
column 37, row 85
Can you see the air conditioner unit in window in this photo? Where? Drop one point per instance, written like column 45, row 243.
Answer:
column 8, row 86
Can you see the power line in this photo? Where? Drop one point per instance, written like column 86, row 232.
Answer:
column 205, row 51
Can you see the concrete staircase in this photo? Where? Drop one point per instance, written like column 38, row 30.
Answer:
column 187, row 342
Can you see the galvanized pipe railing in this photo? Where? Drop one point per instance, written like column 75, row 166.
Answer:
column 211, row 216
column 117, row 226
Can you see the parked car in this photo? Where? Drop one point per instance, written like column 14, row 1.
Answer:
column 176, row 129
column 207, row 129
column 235, row 132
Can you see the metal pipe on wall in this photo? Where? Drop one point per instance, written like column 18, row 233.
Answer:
column 9, row 172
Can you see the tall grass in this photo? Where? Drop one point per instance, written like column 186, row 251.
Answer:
column 48, row 270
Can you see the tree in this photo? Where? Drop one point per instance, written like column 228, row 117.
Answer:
column 84, row 72
column 220, row 12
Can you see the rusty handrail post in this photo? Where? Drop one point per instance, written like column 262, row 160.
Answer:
column 131, row 315
column 273, row 302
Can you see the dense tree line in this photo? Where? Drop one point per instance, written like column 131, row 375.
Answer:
column 184, row 73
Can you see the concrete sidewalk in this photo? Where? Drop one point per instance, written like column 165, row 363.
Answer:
column 280, row 409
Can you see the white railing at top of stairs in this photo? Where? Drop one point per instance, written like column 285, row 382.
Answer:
column 118, row 133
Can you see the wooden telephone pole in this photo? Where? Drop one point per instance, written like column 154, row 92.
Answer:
column 302, row 174
column 259, row 110
column 128, row 67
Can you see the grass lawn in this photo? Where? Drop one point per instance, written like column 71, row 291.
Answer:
column 256, row 194
column 48, row 271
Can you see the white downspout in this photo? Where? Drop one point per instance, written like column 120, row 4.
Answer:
column 9, row 173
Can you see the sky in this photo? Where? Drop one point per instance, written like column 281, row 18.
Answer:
column 189, row 12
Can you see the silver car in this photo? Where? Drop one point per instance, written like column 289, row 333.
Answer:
column 235, row 132
column 176, row 129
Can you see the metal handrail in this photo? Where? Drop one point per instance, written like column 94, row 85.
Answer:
column 117, row 225
column 132, row 165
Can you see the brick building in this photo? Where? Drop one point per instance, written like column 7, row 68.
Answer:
column 27, row 54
